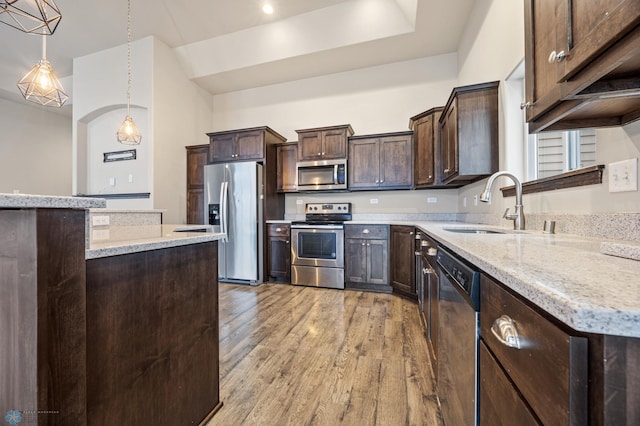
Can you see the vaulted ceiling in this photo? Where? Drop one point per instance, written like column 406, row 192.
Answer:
column 229, row 45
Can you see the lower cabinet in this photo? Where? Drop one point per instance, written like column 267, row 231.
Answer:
column 402, row 250
column 279, row 252
column 367, row 257
column 540, row 361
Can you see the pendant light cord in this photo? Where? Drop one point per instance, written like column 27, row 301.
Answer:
column 129, row 58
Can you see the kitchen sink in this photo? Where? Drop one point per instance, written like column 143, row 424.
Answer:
column 476, row 230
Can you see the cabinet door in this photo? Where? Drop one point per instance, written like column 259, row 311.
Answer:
column 310, row 146
column 249, row 146
column 500, row 402
column 287, row 158
column 222, row 148
column 334, row 144
column 592, row 26
column 355, row 260
column 197, row 157
column 195, row 206
column 395, row 162
column 424, row 158
column 403, row 260
column 377, row 263
column 279, row 258
column 364, row 163
column 449, row 134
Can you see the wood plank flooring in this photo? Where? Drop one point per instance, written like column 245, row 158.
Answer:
column 292, row 355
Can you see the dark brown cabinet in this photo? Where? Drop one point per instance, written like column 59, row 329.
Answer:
column 197, row 157
column 381, row 161
column 240, row 145
column 279, row 252
column 582, row 63
column 546, row 364
column 426, row 148
column 367, row 257
column 402, row 240
column 323, row 143
column 287, row 155
column 468, row 130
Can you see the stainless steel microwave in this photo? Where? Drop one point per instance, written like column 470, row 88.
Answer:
column 322, row 175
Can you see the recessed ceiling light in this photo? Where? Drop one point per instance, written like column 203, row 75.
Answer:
column 267, row 8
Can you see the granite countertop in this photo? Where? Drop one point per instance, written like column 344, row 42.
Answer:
column 117, row 240
column 563, row 274
column 49, row 201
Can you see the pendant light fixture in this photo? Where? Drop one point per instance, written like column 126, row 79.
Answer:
column 128, row 133
column 41, row 85
column 31, row 16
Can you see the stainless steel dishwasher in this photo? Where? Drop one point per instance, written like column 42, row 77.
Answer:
column 458, row 307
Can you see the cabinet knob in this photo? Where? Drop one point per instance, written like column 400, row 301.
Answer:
column 430, row 177
column 287, row 241
column 411, row 233
column 323, row 153
column 447, row 170
column 377, row 181
column 363, row 244
column 381, row 180
column 365, row 231
column 319, row 153
column 526, row 105
column 432, row 252
column 557, row 57
column 368, row 245
column 278, row 229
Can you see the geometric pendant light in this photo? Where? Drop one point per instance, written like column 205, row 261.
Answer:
column 31, row 16
column 41, row 85
column 128, row 133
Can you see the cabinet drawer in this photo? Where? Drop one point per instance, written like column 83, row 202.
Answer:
column 368, row 232
column 549, row 368
column 278, row 229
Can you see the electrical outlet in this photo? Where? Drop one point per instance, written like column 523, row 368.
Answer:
column 432, row 200
column 373, row 201
column 464, row 202
column 475, row 200
column 112, row 181
column 130, row 178
column 623, row 176
column 100, row 220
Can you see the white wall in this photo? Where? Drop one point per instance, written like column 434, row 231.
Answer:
column 35, row 150
column 181, row 115
column 170, row 111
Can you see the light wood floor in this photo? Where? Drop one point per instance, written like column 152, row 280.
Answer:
column 293, row 355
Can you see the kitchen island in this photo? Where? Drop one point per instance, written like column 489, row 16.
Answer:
column 109, row 327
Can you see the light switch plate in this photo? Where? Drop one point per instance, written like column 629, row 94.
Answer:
column 623, row 175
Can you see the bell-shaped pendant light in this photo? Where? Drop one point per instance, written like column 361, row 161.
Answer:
column 41, row 85
column 30, row 16
column 128, row 133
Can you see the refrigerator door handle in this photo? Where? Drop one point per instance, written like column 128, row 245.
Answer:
column 223, row 210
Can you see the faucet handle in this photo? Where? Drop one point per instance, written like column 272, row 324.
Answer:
column 509, row 216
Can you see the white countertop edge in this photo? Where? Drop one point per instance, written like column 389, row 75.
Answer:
column 577, row 311
column 49, row 201
column 180, row 239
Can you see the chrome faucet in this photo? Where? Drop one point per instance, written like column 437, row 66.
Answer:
column 518, row 216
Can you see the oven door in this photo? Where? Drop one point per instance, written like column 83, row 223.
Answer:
column 321, row 245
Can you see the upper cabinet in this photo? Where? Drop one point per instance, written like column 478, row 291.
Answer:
column 381, row 161
column 468, row 129
column 287, row 156
column 425, row 148
column 323, row 143
column 582, row 62
column 244, row 144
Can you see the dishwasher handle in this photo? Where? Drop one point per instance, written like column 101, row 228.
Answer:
column 504, row 329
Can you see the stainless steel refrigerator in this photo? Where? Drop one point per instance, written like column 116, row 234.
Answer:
column 233, row 205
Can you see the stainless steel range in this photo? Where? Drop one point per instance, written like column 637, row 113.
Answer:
column 317, row 245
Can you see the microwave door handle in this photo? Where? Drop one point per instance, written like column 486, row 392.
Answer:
column 335, row 173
